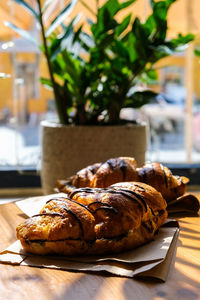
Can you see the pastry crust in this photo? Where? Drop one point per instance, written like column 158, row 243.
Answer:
column 95, row 221
column 85, row 176
column 125, row 169
column 162, row 179
column 115, row 170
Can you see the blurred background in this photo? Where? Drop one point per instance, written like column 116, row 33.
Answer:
column 173, row 116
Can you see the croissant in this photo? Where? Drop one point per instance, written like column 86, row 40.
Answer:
column 95, row 221
column 162, row 179
column 102, row 175
column 125, row 169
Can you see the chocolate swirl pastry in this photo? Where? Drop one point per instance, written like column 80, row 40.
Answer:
column 101, row 175
column 162, row 179
column 125, row 169
column 95, row 221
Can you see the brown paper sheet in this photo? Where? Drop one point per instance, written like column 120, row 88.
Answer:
column 150, row 260
column 187, row 203
column 31, row 206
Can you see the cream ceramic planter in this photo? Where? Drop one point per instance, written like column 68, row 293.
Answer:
column 67, row 149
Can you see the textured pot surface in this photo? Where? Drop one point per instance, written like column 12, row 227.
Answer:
column 67, row 149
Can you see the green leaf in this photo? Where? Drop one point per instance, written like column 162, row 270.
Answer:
column 167, row 3
column 182, row 39
column 138, row 99
column 140, row 32
column 152, row 74
column 61, row 17
column 126, row 4
column 71, row 66
column 58, row 66
column 160, row 10
column 21, row 32
column 77, row 33
column 170, row 2
column 58, row 44
column 121, row 27
column 46, row 83
column 106, row 41
column 105, row 23
column 131, row 47
column 28, row 8
column 157, row 22
column 111, row 6
column 105, row 18
column 55, row 49
column 121, row 51
column 114, row 6
column 197, row 52
column 141, row 43
column 150, row 24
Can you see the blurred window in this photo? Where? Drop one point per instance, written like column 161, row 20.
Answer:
column 173, row 116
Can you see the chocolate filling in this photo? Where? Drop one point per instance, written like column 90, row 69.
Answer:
column 133, row 196
column 123, row 168
column 148, row 225
column 119, row 237
column 54, row 214
column 112, row 209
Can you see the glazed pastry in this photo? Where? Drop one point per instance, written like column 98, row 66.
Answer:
column 83, row 178
column 95, row 221
column 125, row 169
column 102, row 175
column 114, row 170
column 162, row 179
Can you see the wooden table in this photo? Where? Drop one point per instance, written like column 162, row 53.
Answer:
column 20, row 282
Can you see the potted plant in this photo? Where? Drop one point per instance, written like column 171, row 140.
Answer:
column 93, row 75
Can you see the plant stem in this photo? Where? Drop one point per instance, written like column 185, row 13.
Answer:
column 59, row 105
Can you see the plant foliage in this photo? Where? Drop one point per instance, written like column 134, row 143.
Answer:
column 94, row 75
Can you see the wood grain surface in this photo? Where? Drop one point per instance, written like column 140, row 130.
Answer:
column 20, row 282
